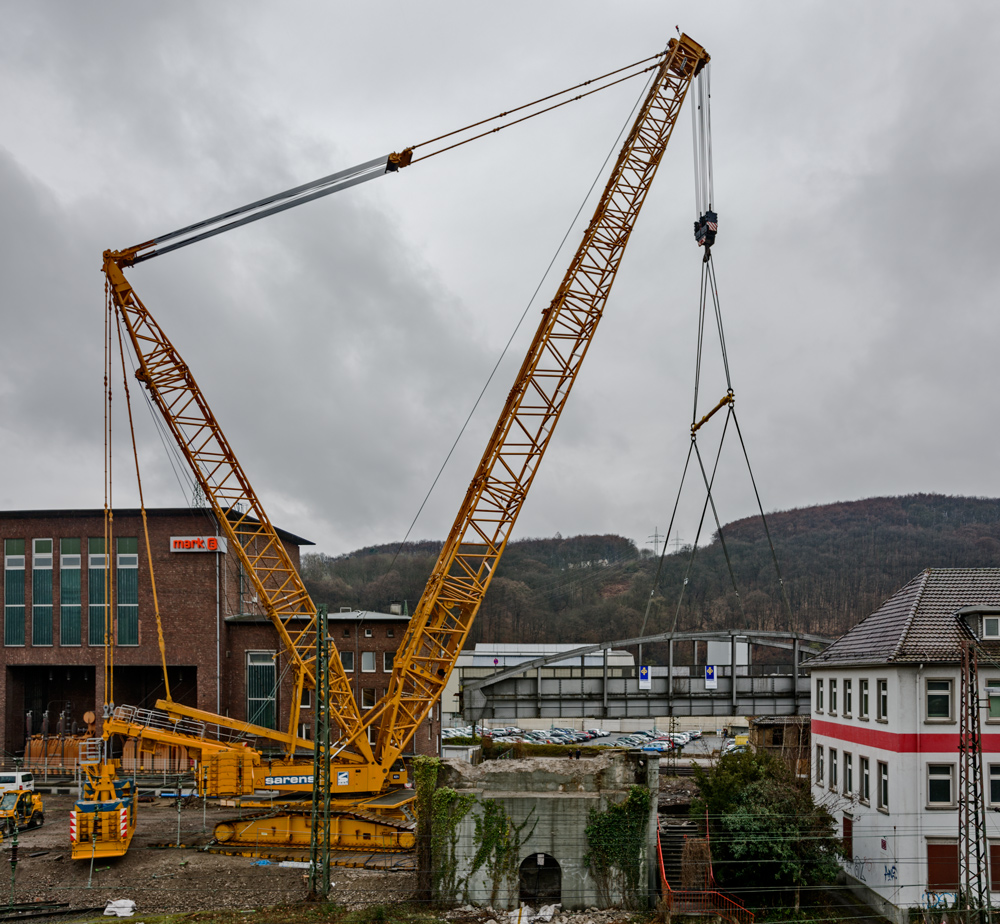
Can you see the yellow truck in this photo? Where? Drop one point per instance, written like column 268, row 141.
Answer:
column 20, row 809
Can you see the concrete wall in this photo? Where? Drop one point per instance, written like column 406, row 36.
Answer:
column 555, row 797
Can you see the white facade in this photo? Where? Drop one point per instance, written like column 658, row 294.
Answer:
column 885, row 762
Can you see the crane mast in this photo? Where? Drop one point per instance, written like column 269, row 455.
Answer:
column 467, row 562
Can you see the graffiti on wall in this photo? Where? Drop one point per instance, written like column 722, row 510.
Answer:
column 938, row 901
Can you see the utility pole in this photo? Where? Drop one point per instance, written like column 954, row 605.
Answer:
column 974, row 895
column 319, row 846
column 654, row 540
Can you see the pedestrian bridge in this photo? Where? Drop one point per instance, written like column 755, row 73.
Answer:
column 538, row 690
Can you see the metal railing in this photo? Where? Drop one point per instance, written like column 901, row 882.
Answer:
column 700, row 901
column 152, row 718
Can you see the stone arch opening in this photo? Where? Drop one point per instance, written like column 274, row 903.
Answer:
column 540, row 880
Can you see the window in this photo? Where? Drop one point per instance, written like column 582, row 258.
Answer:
column 940, row 784
column 368, row 662
column 347, row 631
column 883, row 700
column 819, row 694
column 95, row 591
column 863, row 705
column 777, row 736
column 819, row 764
column 995, row 784
column 347, row 659
column 390, row 632
column 942, row 864
column 262, row 679
column 991, row 627
column 368, row 632
column 848, row 774
column 307, row 700
column 938, row 700
column 883, row 786
column 833, row 696
column 69, row 591
column 864, row 793
column 387, row 659
column 994, row 866
column 993, row 699
column 128, row 591
column 848, row 836
column 13, row 591
column 41, row 592
column 367, row 697
column 833, row 769
column 848, row 691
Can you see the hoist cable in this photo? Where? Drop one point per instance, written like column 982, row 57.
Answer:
column 767, row 530
column 698, row 210
column 663, row 553
column 715, row 514
column 708, row 131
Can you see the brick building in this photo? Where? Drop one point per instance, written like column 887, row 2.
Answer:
column 221, row 651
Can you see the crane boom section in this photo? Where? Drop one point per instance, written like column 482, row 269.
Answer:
column 279, row 589
column 467, row 562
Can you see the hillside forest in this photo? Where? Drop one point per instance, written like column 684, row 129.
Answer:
column 839, row 562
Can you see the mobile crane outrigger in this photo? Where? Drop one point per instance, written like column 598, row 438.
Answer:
column 370, row 806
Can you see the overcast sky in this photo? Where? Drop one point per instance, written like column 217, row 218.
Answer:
column 342, row 344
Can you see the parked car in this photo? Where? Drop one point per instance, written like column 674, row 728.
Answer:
column 16, row 780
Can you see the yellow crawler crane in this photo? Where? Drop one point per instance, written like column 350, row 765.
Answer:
column 369, row 806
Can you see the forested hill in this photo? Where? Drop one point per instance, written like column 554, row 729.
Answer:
column 838, row 561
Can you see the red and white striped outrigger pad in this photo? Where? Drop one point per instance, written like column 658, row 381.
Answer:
column 123, row 821
column 73, row 834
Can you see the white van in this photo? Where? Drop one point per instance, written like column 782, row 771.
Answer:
column 20, row 779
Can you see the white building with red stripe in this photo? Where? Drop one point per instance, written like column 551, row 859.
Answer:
column 885, row 731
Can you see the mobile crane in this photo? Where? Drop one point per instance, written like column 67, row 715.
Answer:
column 370, row 804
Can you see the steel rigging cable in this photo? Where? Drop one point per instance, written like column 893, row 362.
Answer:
column 705, row 231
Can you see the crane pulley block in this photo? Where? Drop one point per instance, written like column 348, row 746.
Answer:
column 705, row 229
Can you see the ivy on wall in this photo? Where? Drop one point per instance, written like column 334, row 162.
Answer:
column 616, row 843
column 440, row 810
column 499, row 849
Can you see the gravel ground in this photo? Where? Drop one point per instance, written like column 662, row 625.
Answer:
column 172, row 880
